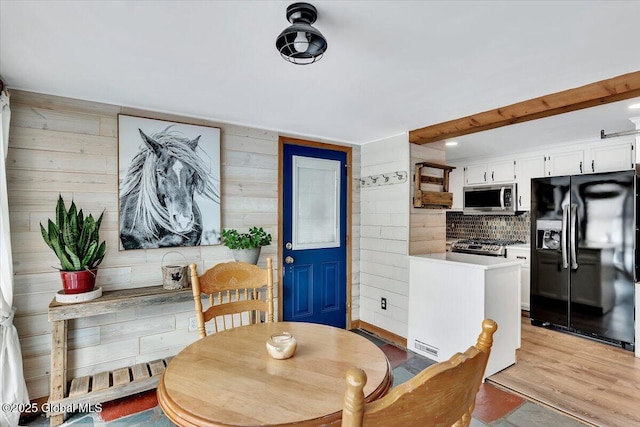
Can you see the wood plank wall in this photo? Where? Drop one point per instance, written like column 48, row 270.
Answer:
column 391, row 229
column 67, row 146
column 356, row 220
column 385, row 220
column 428, row 227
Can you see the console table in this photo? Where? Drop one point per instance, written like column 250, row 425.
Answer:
column 103, row 386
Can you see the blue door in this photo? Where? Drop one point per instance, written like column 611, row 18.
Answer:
column 314, row 235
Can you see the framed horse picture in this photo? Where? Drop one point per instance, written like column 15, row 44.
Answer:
column 169, row 183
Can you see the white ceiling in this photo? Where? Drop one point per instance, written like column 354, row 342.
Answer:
column 576, row 126
column 390, row 67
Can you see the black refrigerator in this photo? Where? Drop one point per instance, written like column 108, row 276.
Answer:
column 583, row 255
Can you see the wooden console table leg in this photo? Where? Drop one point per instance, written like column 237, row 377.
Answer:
column 58, row 366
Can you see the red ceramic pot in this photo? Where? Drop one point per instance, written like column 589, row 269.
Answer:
column 77, row 282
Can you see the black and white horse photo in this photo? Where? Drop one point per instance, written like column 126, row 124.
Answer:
column 158, row 206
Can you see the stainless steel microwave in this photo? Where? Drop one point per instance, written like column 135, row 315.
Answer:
column 494, row 199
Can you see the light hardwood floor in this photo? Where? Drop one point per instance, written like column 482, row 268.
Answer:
column 593, row 382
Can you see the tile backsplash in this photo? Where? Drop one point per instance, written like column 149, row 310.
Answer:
column 511, row 227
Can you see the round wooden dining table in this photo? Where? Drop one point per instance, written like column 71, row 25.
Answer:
column 229, row 379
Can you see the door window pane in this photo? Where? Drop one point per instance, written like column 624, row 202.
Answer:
column 316, row 203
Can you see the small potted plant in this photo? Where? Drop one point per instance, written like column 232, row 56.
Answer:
column 75, row 241
column 246, row 246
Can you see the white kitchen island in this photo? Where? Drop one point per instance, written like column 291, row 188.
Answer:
column 449, row 296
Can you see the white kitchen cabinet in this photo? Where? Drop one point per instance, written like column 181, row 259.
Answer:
column 459, row 291
column 594, row 158
column 612, row 157
column 522, row 253
column 456, row 184
column 567, row 159
column 502, row 171
column 565, row 163
column 475, row 174
column 491, row 172
column 526, row 169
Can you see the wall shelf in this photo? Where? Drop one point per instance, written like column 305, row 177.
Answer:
column 432, row 199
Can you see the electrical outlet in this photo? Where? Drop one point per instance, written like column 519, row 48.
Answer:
column 193, row 324
column 383, row 303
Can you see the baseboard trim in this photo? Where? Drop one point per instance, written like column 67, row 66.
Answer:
column 383, row 333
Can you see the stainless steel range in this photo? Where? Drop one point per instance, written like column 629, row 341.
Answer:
column 491, row 247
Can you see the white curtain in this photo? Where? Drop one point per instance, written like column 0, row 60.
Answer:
column 12, row 388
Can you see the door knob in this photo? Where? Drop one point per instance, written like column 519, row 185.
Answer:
column 288, row 260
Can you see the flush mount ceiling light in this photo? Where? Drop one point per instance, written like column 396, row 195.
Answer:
column 301, row 43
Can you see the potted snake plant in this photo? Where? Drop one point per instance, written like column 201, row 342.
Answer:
column 74, row 239
column 246, row 246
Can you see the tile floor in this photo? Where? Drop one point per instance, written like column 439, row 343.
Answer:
column 494, row 407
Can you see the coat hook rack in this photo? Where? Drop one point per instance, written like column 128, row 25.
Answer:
column 390, row 178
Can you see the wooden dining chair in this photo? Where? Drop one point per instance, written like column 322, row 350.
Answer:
column 233, row 290
column 443, row 394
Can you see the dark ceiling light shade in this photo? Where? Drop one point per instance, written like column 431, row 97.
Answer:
column 301, row 43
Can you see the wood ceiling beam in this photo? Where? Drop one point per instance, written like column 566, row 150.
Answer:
column 603, row 92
